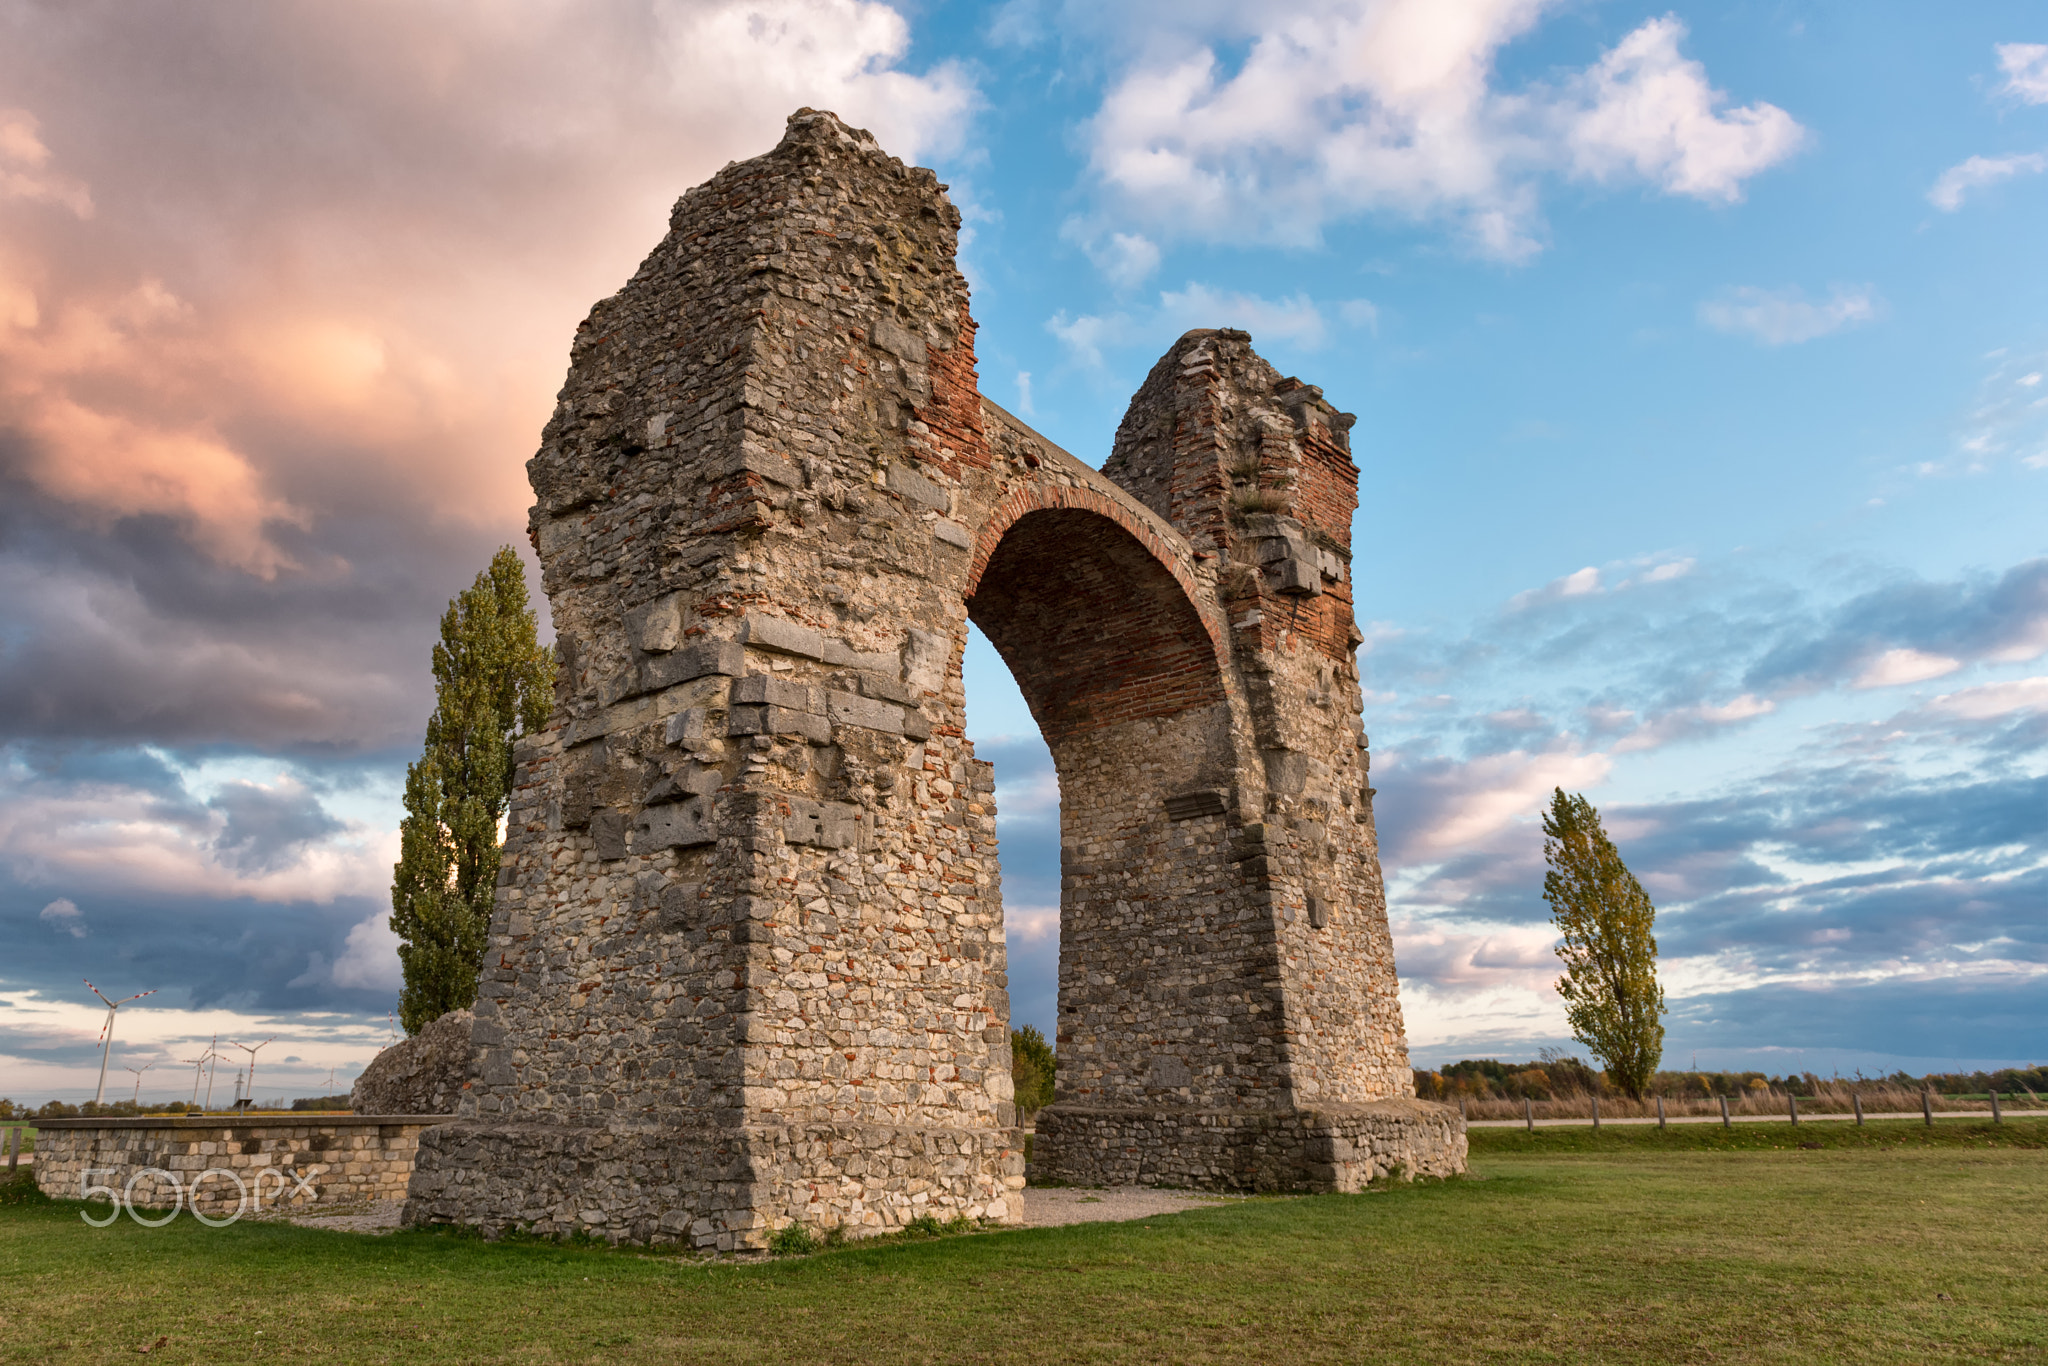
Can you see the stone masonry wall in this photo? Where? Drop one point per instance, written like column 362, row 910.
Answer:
column 747, row 962
column 420, row 1075
column 346, row 1159
column 1333, row 1148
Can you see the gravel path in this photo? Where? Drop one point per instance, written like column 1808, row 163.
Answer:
column 1048, row 1208
column 1042, row 1208
column 378, row 1216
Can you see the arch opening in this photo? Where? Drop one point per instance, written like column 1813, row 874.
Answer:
column 1156, row 925
column 1095, row 630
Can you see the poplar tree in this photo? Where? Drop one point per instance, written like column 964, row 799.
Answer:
column 492, row 684
column 1612, row 999
column 1033, row 1068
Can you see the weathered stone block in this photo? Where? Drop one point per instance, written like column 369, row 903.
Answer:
column 608, row 833
column 845, row 709
column 656, row 626
column 786, row 637
column 779, row 721
column 701, row 659
column 760, row 688
column 675, row 825
column 826, row 825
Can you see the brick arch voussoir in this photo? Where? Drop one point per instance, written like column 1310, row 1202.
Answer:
column 1036, row 497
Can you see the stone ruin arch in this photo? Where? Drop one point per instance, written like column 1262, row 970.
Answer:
column 746, row 966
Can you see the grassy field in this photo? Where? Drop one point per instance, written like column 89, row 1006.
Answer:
column 1690, row 1245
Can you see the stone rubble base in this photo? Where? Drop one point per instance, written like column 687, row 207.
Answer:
column 346, row 1159
column 715, row 1188
column 1342, row 1148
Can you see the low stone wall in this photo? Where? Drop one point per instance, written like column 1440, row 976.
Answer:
column 342, row 1159
column 711, row 1187
column 1332, row 1148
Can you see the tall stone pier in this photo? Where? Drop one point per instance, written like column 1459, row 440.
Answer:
column 747, row 964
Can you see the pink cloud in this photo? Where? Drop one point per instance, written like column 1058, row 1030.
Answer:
column 339, row 274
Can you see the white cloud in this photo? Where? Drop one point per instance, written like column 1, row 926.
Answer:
column 1977, row 172
column 1895, row 667
column 1126, row 259
column 1664, row 573
column 1453, row 805
column 1360, row 313
column 1295, row 320
column 1579, row 583
column 1342, row 107
column 2026, row 71
column 1024, row 393
column 63, row 915
column 2010, row 416
column 1491, row 956
column 1086, row 335
column 1994, row 699
column 369, row 957
column 265, row 841
column 1684, row 723
column 1650, row 111
column 25, row 167
column 1782, row 317
column 1030, row 924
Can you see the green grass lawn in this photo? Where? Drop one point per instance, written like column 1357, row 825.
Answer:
column 1627, row 1246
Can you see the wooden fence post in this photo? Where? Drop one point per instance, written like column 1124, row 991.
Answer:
column 1857, row 1096
column 1997, row 1115
column 1660, row 1112
column 14, row 1149
column 1725, row 1121
column 1596, row 1111
column 1792, row 1104
column 1927, row 1107
column 1528, row 1115
column 1462, row 1116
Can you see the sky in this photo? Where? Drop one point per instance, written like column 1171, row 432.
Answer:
column 1700, row 355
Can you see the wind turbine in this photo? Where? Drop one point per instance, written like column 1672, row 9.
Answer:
column 107, row 1031
column 198, row 1066
column 136, row 1099
column 213, row 1055
column 250, row 1049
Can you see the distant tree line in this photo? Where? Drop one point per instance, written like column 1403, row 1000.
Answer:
column 120, row 1109
column 113, row 1109
column 2031, row 1081
column 1561, row 1078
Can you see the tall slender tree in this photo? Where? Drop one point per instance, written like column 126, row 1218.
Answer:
column 492, row 683
column 1611, row 995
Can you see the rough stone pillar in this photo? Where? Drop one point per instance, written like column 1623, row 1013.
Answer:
column 747, row 963
column 1245, row 1032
